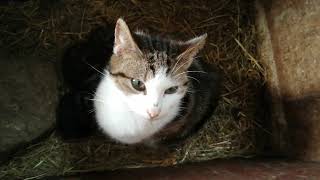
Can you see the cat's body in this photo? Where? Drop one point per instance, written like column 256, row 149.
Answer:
column 153, row 89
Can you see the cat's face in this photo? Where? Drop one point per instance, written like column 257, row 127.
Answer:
column 151, row 73
column 154, row 97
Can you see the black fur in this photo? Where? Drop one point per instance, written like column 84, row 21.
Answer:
column 203, row 100
column 75, row 118
column 83, row 63
column 81, row 67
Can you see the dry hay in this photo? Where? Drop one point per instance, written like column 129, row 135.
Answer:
column 45, row 29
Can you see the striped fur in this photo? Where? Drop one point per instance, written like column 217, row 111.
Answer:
column 122, row 111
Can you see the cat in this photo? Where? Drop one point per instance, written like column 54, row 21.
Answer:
column 136, row 88
column 81, row 65
column 151, row 84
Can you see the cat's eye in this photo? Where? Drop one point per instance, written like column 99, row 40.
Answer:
column 138, row 85
column 171, row 90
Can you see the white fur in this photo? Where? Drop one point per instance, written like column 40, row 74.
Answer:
column 125, row 118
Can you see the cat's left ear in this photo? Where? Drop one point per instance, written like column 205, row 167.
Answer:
column 191, row 49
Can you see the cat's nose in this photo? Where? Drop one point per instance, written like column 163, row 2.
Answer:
column 153, row 113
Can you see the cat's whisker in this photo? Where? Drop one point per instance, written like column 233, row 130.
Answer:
column 181, row 66
column 95, row 68
column 97, row 96
column 180, row 115
column 106, row 72
column 190, row 91
column 192, row 59
column 183, row 108
column 97, row 100
column 92, row 93
column 173, row 69
column 197, row 71
column 194, row 79
column 91, row 111
column 190, row 72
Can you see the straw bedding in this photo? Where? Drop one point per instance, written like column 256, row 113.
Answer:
column 46, row 27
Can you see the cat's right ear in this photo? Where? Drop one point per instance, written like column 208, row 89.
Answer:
column 190, row 49
column 123, row 41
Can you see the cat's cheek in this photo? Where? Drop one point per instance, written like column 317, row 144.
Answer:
column 172, row 102
column 137, row 106
column 131, row 102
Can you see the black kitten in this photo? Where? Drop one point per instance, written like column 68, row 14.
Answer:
column 81, row 66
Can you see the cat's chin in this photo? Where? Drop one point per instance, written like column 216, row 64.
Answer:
column 161, row 116
column 144, row 117
column 147, row 118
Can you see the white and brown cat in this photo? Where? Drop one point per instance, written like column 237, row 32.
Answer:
column 146, row 88
column 151, row 82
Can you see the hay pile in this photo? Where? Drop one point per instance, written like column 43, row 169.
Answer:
column 46, row 27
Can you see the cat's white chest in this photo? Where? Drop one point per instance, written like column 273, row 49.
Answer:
column 118, row 121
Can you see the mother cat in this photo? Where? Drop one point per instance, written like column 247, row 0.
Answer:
column 151, row 89
column 151, row 82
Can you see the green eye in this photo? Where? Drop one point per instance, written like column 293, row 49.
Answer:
column 138, row 85
column 171, row 90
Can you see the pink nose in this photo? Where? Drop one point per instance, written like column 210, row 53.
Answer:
column 153, row 113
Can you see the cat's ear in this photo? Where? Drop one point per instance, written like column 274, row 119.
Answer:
column 190, row 49
column 123, row 41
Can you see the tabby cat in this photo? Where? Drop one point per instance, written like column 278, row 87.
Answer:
column 151, row 82
column 148, row 88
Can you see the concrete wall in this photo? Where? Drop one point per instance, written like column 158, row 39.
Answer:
column 289, row 47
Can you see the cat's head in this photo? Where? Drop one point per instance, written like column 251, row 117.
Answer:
column 151, row 71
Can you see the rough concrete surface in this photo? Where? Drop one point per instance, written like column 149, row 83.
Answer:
column 28, row 96
column 289, row 46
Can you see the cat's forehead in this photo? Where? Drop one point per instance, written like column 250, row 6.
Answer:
column 156, row 61
column 160, row 81
column 156, row 66
column 155, row 55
